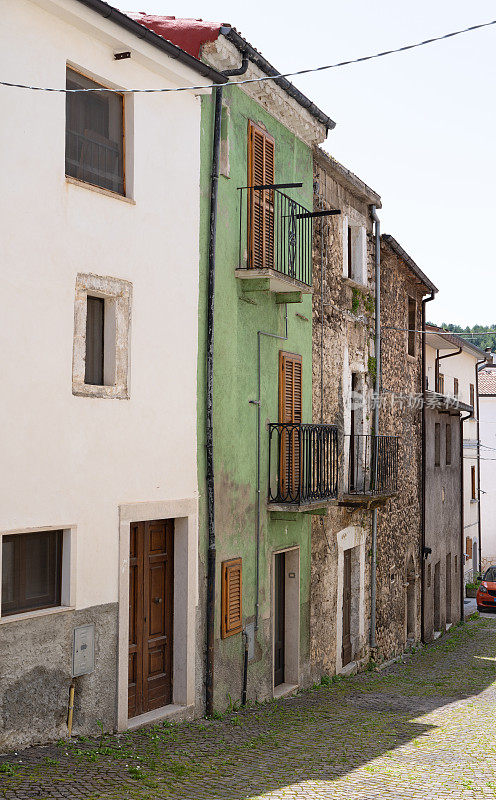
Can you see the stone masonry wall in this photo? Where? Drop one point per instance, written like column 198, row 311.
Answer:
column 348, row 345
column 399, row 521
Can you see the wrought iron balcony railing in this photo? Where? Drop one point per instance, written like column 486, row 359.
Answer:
column 303, row 463
column 372, row 464
column 275, row 232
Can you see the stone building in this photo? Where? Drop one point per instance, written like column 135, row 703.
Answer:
column 399, row 538
column 444, row 545
column 343, row 381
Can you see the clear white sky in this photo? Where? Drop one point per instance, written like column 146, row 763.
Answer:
column 418, row 127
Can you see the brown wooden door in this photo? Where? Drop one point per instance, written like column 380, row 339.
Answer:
column 346, row 651
column 290, row 411
column 151, row 573
column 279, row 615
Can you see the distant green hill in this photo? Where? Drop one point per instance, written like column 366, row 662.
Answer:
column 489, row 340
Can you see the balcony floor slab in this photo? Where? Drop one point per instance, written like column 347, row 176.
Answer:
column 277, row 282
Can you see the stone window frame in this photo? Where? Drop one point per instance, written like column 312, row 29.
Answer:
column 117, row 294
column 357, row 223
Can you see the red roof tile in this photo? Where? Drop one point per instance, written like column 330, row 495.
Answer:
column 487, row 381
column 188, row 34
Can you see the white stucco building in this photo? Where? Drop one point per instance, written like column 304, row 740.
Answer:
column 99, row 225
column 487, row 416
column 451, row 366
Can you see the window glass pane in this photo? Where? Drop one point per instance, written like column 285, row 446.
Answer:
column 7, row 571
column 36, row 566
column 31, row 571
column 94, row 134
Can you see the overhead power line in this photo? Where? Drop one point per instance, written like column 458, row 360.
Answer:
column 263, row 78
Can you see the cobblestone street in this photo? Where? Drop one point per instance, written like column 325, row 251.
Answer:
column 417, row 729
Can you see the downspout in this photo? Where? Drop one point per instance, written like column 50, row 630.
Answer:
column 209, row 433
column 377, row 390
column 462, row 529
column 422, row 482
column 477, row 365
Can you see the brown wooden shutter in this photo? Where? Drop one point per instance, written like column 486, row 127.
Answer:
column 261, row 148
column 474, row 488
column 231, row 598
column 290, row 411
column 468, row 546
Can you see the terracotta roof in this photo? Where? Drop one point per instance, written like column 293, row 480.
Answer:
column 188, row 34
column 487, row 381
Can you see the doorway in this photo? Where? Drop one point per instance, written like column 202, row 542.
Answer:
column 448, row 589
column 437, row 597
column 410, row 601
column 151, row 576
column 346, row 648
column 279, row 618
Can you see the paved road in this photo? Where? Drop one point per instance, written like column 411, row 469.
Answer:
column 419, row 729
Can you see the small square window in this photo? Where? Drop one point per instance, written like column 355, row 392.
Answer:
column 31, row 571
column 101, row 337
column 94, row 149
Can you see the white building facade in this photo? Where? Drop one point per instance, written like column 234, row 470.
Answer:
column 98, row 325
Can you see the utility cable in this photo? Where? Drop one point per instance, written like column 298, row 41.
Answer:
column 263, row 78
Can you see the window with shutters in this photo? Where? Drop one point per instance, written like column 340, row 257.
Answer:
column 290, row 414
column 94, row 150
column 100, row 361
column 472, row 397
column 473, row 483
column 231, row 598
column 455, row 387
column 261, row 151
column 440, row 383
column 354, row 251
column 468, row 547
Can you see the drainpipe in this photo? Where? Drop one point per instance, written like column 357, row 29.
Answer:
column 209, row 433
column 462, row 528
column 422, row 484
column 477, row 366
column 377, row 389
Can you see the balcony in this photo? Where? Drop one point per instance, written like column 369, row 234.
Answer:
column 275, row 242
column 372, row 474
column 303, row 466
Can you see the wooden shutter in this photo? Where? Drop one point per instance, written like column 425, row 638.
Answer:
column 474, row 488
column 468, row 546
column 231, row 598
column 290, row 411
column 261, row 148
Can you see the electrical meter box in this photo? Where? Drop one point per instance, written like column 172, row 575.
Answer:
column 83, row 650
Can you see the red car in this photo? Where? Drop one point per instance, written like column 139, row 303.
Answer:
column 486, row 593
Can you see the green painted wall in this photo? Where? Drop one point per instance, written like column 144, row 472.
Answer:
column 235, row 384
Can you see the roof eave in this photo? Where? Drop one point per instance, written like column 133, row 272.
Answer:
column 257, row 58
column 397, row 248
column 142, row 32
